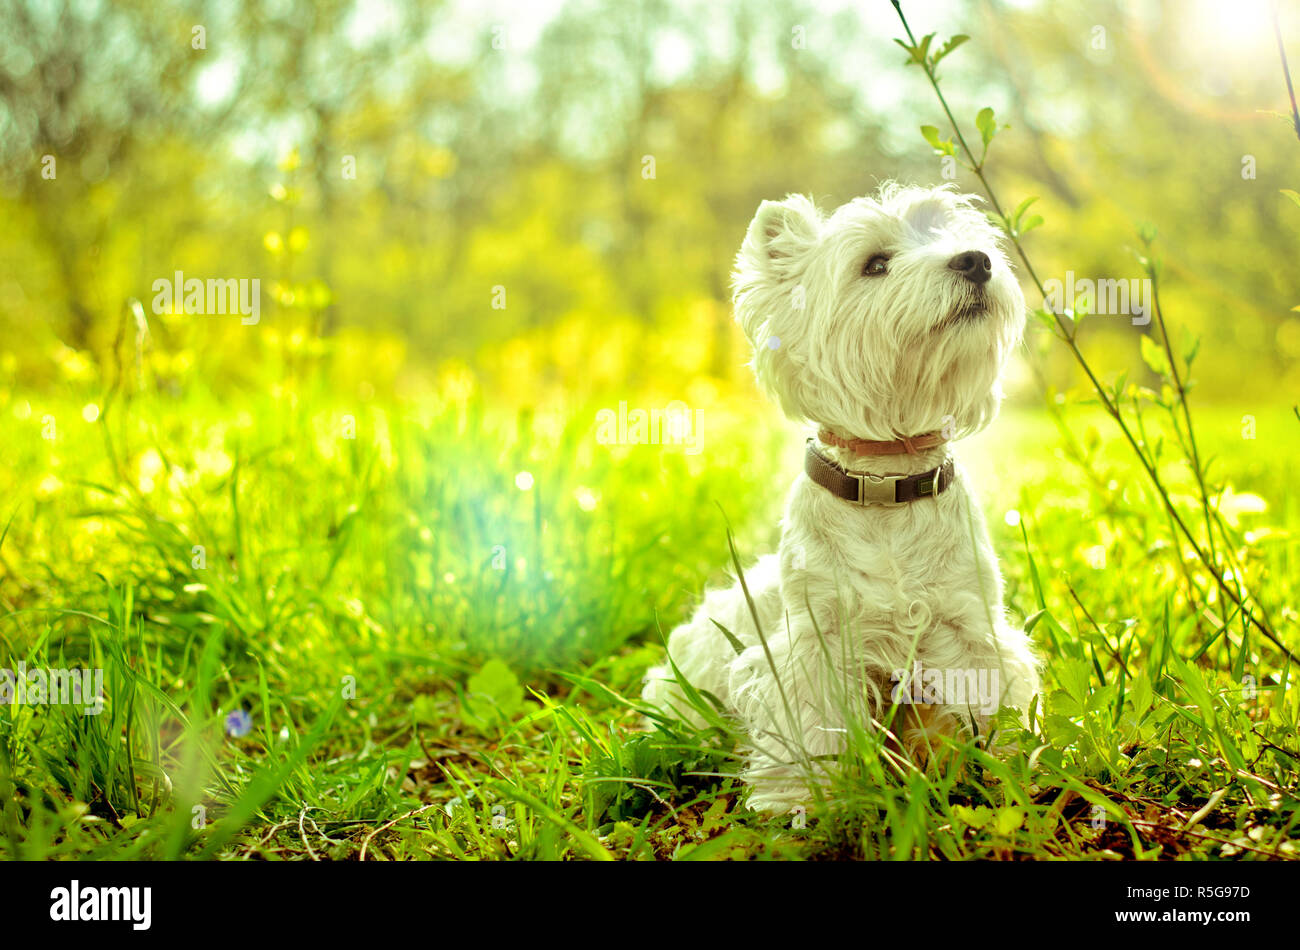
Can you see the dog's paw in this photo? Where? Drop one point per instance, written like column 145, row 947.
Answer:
column 779, row 797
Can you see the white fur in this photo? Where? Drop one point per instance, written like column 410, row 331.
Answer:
column 876, row 357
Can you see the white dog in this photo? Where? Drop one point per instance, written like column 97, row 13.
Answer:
column 886, row 326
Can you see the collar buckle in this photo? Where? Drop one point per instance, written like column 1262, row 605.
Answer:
column 878, row 489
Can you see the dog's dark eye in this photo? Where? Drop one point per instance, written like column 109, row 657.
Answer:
column 876, row 266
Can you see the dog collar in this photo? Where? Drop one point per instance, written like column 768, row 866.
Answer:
column 867, row 489
column 910, row 446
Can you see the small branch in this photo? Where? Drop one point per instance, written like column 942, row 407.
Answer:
column 1067, row 335
column 365, row 845
column 1113, row 651
column 1276, row 854
column 1286, row 71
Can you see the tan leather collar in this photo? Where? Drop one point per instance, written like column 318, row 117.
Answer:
column 904, row 446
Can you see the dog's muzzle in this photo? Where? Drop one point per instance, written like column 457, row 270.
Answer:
column 975, row 266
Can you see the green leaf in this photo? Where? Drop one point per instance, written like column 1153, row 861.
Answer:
column 1022, row 208
column 1075, row 676
column 731, row 638
column 916, row 55
column 1061, row 729
column 715, row 817
column 1154, row 356
column 976, row 817
column 1019, row 225
column 923, row 48
column 987, row 125
column 496, row 685
column 1141, row 695
column 1009, row 819
column 1047, row 319
column 1239, row 667
column 948, row 47
column 1194, row 685
column 1293, row 195
column 931, row 135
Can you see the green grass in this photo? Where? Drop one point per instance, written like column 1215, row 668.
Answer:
column 436, row 662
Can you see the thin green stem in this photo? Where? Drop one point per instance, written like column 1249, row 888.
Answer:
column 1067, row 335
column 1193, row 454
column 1286, row 71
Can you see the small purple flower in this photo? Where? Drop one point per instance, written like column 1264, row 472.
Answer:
column 239, row 723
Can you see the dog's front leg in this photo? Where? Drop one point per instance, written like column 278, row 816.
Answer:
column 702, row 653
column 791, row 698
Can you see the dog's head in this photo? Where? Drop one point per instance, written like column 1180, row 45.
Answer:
column 892, row 317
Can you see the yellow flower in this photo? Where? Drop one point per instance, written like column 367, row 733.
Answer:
column 48, row 486
column 149, row 466
column 1233, row 505
column 74, row 364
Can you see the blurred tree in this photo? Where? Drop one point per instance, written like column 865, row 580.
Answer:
column 94, row 87
column 499, row 189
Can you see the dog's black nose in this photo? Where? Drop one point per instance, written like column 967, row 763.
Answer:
column 975, row 266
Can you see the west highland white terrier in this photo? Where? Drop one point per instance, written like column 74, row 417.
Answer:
column 885, row 326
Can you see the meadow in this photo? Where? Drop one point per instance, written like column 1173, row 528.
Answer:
column 372, row 577
column 436, row 651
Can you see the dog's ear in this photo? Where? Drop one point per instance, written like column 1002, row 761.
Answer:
column 780, row 236
column 768, row 292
